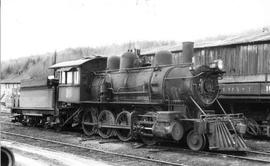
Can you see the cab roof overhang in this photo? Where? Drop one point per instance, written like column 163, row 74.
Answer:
column 73, row 63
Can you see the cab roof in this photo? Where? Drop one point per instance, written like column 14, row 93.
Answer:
column 74, row 63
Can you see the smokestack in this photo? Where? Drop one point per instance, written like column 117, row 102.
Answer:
column 187, row 52
column 54, row 57
column 54, row 62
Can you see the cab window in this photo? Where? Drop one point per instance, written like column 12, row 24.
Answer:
column 62, row 77
column 71, row 76
column 76, row 77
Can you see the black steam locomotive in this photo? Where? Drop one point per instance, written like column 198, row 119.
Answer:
column 134, row 98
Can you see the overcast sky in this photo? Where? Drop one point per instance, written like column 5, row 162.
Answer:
column 30, row 27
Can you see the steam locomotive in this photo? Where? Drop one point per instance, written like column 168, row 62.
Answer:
column 134, row 98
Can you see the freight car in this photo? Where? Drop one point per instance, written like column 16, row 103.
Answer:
column 246, row 87
column 135, row 99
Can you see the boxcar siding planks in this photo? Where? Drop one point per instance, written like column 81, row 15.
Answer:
column 249, row 57
column 267, row 55
column 197, row 57
column 229, row 52
column 245, row 64
column 241, row 60
column 253, row 59
column 265, row 59
column 229, row 55
column 236, row 60
column 225, row 59
column 246, row 59
column 205, row 56
column 255, row 51
column 231, row 66
column 260, row 59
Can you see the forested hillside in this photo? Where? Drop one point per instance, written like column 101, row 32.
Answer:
column 37, row 66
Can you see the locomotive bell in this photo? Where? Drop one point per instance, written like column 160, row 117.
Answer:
column 113, row 62
column 163, row 57
column 187, row 52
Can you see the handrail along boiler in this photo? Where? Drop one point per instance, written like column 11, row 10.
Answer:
column 133, row 98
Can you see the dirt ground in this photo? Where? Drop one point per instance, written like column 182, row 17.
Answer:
column 259, row 144
column 26, row 155
column 114, row 145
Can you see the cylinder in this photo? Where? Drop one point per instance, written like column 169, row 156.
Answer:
column 171, row 129
column 187, row 52
column 163, row 58
column 127, row 60
column 113, row 62
column 177, row 131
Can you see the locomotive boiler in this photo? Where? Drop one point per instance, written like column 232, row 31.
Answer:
column 134, row 98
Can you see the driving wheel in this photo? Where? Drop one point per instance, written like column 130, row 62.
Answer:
column 105, row 119
column 124, row 120
column 89, row 121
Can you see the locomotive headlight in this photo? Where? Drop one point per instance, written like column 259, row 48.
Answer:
column 213, row 65
column 217, row 64
column 220, row 64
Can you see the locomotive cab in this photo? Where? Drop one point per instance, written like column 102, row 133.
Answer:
column 74, row 77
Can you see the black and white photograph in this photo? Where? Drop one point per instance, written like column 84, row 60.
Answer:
column 135, row 83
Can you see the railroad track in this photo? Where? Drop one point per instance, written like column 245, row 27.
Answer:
column 9, row 123
column 5, row 113
column 158, row 148
column 259, row 152
column 221, row 154
column 246, row 158
column 97, row 150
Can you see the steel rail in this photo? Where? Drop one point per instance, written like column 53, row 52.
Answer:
column 10, row 123
column 246, row 158
column 259, row 152
column 5, row 114
column 94, row 149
